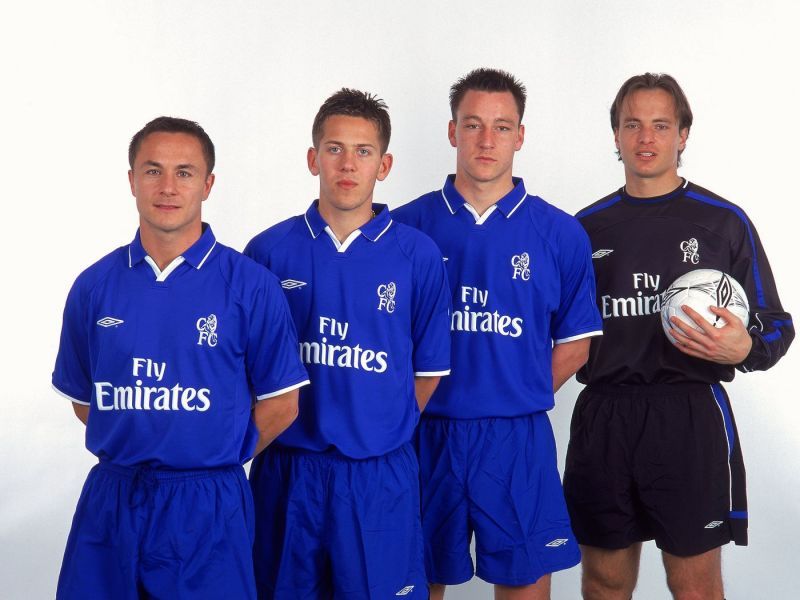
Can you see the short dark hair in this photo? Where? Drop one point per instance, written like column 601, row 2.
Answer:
column 652, row 81
column 354, row 103
column 488, row 80
column 173, row 125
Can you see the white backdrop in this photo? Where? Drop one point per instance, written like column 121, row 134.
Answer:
column 80, row 77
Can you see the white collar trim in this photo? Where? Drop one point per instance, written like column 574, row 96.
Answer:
column 343, row 246
column 162, row 275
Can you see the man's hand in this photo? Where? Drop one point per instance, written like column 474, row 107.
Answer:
column 728, row 345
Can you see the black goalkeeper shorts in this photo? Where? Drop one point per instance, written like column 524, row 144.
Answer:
column 658, row 462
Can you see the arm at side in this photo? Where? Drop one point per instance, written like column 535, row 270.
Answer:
column 567, row 359
column 273, row 415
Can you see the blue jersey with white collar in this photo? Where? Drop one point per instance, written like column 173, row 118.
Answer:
column 169, row 361
column 521, row 278
column 370, row 313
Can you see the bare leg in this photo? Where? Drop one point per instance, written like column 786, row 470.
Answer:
column 610, row 574
column 695, row 577
column 436, row 591
column 535, row 591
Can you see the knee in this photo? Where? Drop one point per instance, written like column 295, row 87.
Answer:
column 596, row 585
column 695, row 590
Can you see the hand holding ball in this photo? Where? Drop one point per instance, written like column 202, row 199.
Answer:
column 700, row 289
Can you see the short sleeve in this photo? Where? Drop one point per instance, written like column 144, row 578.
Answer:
column 273, row 356
column 72, row 374
column 431, row 315
column 577, row 315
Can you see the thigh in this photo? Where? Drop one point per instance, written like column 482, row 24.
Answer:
column 687, row 471
column 198, row 539
column 698, row 576
column 101, row 554
column 598, row 478
column 522, row 529
column 291, row 515
column 441, row 448
column 375, row 534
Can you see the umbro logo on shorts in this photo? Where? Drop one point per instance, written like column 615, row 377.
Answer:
column 713, row 524
column 290, row 284
column 556, row 543
column 110, row 322
column 601, row 253
column 405, row 591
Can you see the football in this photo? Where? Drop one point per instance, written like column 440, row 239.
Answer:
column 700, row 289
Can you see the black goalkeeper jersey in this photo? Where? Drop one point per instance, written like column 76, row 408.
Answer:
column 640, row 246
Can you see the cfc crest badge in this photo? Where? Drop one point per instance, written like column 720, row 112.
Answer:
column 386, row 294
column 690, row 251
column 207, row 330
column 522, row 266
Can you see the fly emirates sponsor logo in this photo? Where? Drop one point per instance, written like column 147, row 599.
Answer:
column 335, row 353
column 474, row 316
column 147, row 394
column 646, row 300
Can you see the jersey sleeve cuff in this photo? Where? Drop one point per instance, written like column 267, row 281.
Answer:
column 431, row 373
column 70, row 398
column 580, row 336
column 283, row 390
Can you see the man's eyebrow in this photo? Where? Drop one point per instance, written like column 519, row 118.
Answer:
column 357, row 144
column 477, row 118
column 182, row 166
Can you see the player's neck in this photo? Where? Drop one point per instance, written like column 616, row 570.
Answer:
column 345, row 222
column 650, row 187
column 482, row 195
column 164, row 247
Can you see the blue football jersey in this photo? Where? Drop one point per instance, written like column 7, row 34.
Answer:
column 371, row 313
column 171, row 361
column 521, row 279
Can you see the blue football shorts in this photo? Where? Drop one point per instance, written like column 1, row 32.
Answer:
column 328, row 526
column 496, row 478
column 146, row 533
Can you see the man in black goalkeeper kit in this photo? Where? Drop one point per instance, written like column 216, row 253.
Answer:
column 654, row 452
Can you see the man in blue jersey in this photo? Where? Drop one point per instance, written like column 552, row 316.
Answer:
column 337, row 495
column 523, row 294
column 654, row 453
column 165, row 345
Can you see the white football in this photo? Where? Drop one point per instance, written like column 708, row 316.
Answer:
column 700, row 289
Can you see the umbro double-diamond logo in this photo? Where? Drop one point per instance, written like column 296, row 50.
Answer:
column 601, row 253
column 713, row 524
column 290, row 284
column 556, row 543
column 405, row 591
column 110, row 322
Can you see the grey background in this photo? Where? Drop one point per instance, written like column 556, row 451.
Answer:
column 78, row 78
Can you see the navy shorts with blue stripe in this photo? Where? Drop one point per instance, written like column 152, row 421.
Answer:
column 658, row 462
